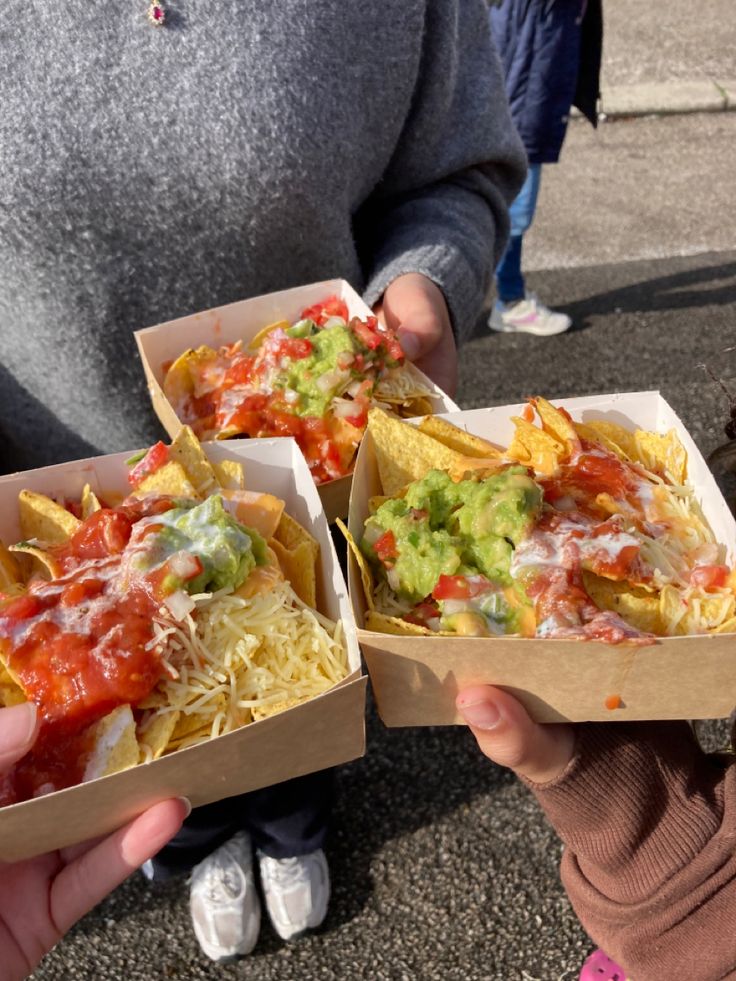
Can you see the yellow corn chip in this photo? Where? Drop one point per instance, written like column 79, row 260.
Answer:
column 662, row 454
column 290, row 533
column 37, row 561
column 11, row 691
column 638, row 607
column 595, row 435
column 556, row 423
column 419, row 405
column 623, row 439
column 115, row 744
column 90, row 504
column 263, row 711
column 366, row 576
column 186, row 450
column 178, row 383
column 156, row 733
column 375, row 502
column 44, row 519
column 170, row 479
column 535, row 448
column 258, row 339
column 299, row 565
column 457, row 439
column 230, row 475
column 403, row 453
column 10, row 573
column 384, row 624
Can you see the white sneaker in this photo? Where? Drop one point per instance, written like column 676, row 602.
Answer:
column 223, row 900
column 296, row 891
column 527, row 316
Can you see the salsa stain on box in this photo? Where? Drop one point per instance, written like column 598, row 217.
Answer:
column 159, row 629
column 585, row 563
column 306, row 362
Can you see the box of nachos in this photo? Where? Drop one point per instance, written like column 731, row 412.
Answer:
column 307, row 362
column 180, row 620
column 579, row 554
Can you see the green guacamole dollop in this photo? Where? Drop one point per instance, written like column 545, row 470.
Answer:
column 302, row 374
column 227, row 550
column 455, row 529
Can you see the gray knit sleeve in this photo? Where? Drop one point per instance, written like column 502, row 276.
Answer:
column 441, row 208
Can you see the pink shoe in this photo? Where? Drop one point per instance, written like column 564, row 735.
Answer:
column 600, row 967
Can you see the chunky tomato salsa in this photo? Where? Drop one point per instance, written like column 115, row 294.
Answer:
column 313, row 380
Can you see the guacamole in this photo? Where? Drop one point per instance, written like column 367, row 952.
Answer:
column 307, row 375
column 445, row 529
column 226, row 549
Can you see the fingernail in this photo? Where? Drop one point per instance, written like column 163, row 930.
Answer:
column 410, row 344
column 481, row 715
column 19, row 724
column 187, row 806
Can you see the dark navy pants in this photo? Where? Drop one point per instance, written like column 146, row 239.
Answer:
column 290, row 818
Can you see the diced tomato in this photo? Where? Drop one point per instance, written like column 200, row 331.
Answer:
column 613, row 702
column 527, row 413
column 103, row 533
column 23, row 608
column 155, row 458
column 366, row 333
column 422, row 613
column 294, row 348
column 385, row 548
column 284, row 423
column 709, row 576
column 78, row 591
column 240, row 372
column 321, row 312
column 460, row 587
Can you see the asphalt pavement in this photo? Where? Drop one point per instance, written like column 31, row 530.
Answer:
column 443, row 866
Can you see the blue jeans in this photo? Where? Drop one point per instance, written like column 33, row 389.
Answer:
column 509, row 280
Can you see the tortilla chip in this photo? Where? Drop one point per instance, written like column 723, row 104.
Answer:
column 662, row 454
column 89, row 503
column 115, row 744
column 611, row 432
column 727, row 627
column 170, row 480
column 457, row 439
column 262, row 512
column 557, row 423
column 10, row 573
column 533, row 447
column 404, row 453
column 190, row 723
column 179, row 382
column 420, row 405
column 156, row 734
column 375, row 502
column 299, row 566
column 290, row 533
column 384, row 624
column 366, row 575
column 187, row 450
column 595, row 436
column 37, row 561
column 264, row 711
column 45, row 520
column 638, row 607
column 11, row 690
column 255, row 342
column 230, row 475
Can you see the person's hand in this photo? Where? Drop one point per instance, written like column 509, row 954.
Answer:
column 415, row 308
column 42, row 897
column 507, row 735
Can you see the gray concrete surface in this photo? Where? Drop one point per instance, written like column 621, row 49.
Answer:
column 443, row 867
column 637, row 189
column 676, row 40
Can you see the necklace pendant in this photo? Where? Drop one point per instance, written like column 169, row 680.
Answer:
column 156, row 14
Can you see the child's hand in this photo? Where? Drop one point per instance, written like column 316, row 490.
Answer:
column 507, row 735
column 415, row 307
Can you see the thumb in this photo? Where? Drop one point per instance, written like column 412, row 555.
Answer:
column 17, row 732
column 418, row 335
column 507, row 735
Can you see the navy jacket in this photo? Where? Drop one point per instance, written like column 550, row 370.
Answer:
column 551, row 56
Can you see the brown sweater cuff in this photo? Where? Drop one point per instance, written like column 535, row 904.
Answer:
column 636, row 803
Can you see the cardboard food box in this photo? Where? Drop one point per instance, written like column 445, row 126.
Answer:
column 242, row 320
column 322, row 732
column 416, row 679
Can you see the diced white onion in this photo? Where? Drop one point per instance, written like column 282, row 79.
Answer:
column 184, row 565
column 353, row 388
column 342, row 409
column 179, row 604
column 392, row 578
column 372, row 533
column 291, row 396
column 333, row 322
column 332, row 380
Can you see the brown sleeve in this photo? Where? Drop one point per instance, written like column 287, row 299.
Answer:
column 649, row 822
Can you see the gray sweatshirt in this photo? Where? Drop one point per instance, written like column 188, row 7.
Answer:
column 244, row 147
